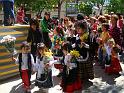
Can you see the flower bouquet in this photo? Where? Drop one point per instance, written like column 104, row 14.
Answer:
column 48, row 57
column 9, row 42
column 75, row 54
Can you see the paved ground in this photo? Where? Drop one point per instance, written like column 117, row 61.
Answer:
column 102, row 83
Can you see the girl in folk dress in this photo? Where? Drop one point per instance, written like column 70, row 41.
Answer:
column 110, row 44
column 104, row 37
column 70, row 79
column 82, row 45
column 115, row 66
column 43, row 68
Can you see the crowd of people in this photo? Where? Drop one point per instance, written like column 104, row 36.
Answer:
column 71, row 46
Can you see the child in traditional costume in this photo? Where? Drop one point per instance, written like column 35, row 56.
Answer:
column 83, row 46
column 26, row 65
column 43, row 67
column 109, row 45
column 104, row 37
column 115, row 66
column 70, row 79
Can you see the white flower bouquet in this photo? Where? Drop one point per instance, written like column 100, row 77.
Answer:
column 9, row 42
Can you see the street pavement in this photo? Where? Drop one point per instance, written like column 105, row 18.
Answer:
column 102, row 83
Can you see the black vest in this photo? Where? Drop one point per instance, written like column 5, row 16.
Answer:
column 29, row 61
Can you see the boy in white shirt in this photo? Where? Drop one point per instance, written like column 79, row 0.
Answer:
column 26, row 64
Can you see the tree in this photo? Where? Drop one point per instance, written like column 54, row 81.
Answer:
column 85, row 8
column 40, row 5
column 116, row 6
column 97, row 1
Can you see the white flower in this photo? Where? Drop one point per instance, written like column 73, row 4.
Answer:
column 7, row 39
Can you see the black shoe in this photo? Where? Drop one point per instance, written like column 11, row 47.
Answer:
column 36, row 84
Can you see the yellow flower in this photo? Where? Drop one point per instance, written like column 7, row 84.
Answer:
column 84, row 37
column 48, row 54
column 75, row 53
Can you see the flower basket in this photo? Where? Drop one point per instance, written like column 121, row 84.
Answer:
column 9, row 43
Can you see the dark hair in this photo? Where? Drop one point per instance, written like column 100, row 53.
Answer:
column 34, row 21
column 80, row 16
column 59, row 30
column 119, row 15
column 67, row 47
column 106, row 25
column 47, row 13
column 102, row 19
column 116, row 50
column 82, row 25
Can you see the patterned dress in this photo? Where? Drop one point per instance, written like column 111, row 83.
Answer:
column 70, row 79
column 85, row 62
column 115, row 66
column 44, row 75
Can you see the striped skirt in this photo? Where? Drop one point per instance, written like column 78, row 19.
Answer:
column 86, row 70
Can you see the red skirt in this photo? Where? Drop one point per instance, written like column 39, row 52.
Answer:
column 115, row 67
column 58, row 66
column 70, row 88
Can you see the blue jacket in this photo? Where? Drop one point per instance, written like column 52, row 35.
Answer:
column 7, row 0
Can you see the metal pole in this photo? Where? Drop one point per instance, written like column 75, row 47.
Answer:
column 66, row 7
column 77, row 6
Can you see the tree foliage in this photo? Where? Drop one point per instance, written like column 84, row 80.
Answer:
column 97, row 1
column 40, row 5
column 37, row 5
column 85, row 8
column 116, row 6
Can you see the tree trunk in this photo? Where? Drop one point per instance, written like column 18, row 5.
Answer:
column 59, row 9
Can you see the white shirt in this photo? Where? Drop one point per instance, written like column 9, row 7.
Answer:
column 108, row 49
column 40, row 65
column 24, row 63
column 67, row 61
